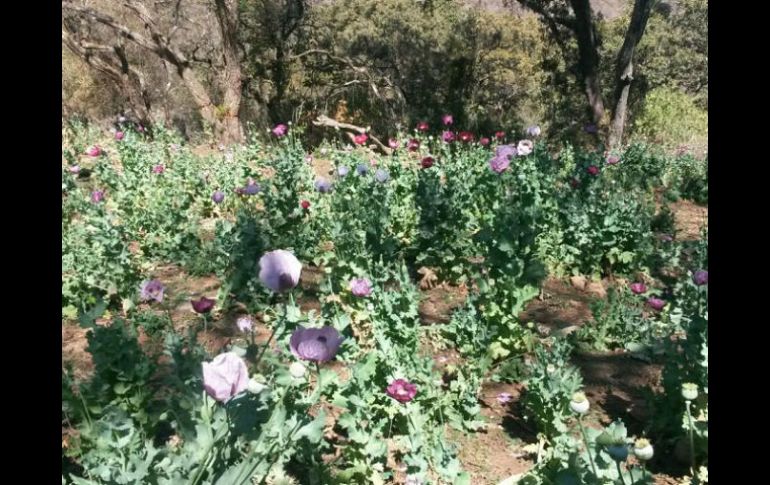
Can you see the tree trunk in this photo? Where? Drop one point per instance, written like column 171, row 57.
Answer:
column 588, row 58
column 232, row 84
column 624, row 68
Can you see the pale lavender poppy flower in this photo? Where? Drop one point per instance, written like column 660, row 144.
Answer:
column 322, row 185
column 506, row 151
column 280, row 130
column 279, row 270
column 381, row 175
column 343, row 170
column 218, row 196
column 525, row 147
column 360, row 287
column 504, row 397
column 225, row 377
column 533, row 131
column 244, row 323
column 613, row 160
column 362, row 169
column 152, row 290
column 75, row 169
column 315, row 344
column 97, row 196
column 499, row 164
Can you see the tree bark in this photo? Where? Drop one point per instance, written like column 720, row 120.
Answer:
column 588, row 57
column 624, row 68
column 227, row 16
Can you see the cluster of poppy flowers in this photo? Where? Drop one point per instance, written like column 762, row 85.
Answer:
column 699, row 277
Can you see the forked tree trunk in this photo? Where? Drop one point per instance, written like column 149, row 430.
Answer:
column 624, row 69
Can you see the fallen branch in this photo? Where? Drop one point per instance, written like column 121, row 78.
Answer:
column 324, row 120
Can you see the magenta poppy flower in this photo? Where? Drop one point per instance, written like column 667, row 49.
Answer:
column 593, row 170
column 427, row 162
column 700, row 277
column 305, row 204
column 656, row 303
column 158, row 169
column 279, row 270
column 413, row 145
column 152, row 290
column 315, row 344
column 393, row 143
column 225, row 377
column 218, row 196
column 401, row 390
column 447, row 119
column 448, row 136
column 422, row 126
column 360, row 139
column 612, row 160
column 119, row 135
column 499, row 135
column 638, row 288
column 202, row 305
column 97, row 196
column 280, row 130
column 93, row 151
column 484, row 141
column 504, row 397
column 466, row 136
column 361, row 287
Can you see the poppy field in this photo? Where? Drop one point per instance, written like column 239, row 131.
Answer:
column 446, row 307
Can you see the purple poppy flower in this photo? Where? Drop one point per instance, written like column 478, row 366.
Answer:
column 343, row 170
column 506, row 151
column 315, row 344
column 140, row 128
column 362, row 169
column 309, row 158
column 393, row 143
column 97, row 196
column 279, row 270
column 152, row 290
column 202, row 305
column 322, row 185
column 401, row 390
column 448, row 136
column 499, row 135
column 638, row 288
column 524, row 147
column 225, row 377
column 119, row 135
column 484, row 141
column 75, row 169
column 361, row 287
column 381, row 175
column 593, row 170
column 158, row 169
column 280, row 130
column 533, row 131
column 700, row 277
column 93, row 151
column 447, row 120
column 244, row 323
column 504, row 397
column 613, row 160
column 656, row 303
column 413, row 145
column 218, row 196
column 499, row 164
column 251, row 188
column 427, row 162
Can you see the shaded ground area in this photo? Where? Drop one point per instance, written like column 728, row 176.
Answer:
column 688, row 218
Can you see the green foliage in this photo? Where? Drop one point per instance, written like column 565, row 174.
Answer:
column 670, row 117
